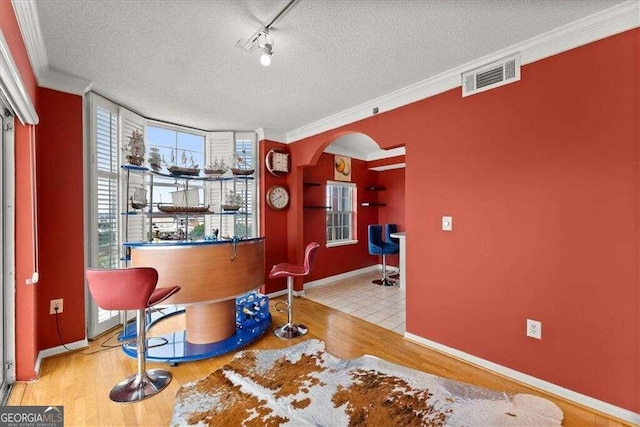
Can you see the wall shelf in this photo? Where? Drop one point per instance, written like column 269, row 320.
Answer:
column 366, row 204
column 311, row 184
column 375, row 188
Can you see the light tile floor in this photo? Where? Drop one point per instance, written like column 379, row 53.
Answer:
column 382, row 305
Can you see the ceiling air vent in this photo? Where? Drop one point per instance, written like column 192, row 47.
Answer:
column 487, row 77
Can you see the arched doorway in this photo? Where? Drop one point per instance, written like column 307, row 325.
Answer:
column 353, row 171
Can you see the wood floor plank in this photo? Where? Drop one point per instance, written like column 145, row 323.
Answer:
column 81, row 381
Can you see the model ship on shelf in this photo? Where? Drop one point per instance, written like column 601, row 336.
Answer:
column 240, row 166
column 134, row 150
column 191, row 170
column 184, row 201
column 232, row 202
column 139, row 199
column 155, row 160
column 217, row 168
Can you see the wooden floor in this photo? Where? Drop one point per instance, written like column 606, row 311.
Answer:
column 81, row 381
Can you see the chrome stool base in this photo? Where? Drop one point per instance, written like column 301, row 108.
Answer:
column 290, row 331
column 136, row 388
column 385, row 282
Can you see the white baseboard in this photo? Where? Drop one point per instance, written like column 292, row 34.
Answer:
column 47, row 352
column 542, row 385
column 277, row 293
column 330, row 279
column 342, row 276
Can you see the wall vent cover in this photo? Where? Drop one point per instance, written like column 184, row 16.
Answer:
column 490, row 76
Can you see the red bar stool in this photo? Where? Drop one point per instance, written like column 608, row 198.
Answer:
column 289, row 330
column 132, row 289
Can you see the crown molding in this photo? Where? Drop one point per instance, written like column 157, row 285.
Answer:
column 385, row 154
column 27, row 15
column 614, row 20
column 65, row 83
column 13, row 88
column 271, row 135
column 344, row 151
column 389, row 167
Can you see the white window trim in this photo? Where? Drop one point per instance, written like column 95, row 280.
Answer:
column 174, row 127
column 341, row 243
column 7, row 222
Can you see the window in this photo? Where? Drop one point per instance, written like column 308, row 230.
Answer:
column 340, row 213
column 237, row 149
column 176, row 147
column 103, row 234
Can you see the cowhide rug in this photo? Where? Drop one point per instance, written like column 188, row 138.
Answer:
column 305, row 385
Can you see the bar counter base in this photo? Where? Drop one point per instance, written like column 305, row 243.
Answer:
column 154, row 315
column 178, row 349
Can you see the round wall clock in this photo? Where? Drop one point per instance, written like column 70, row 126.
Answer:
column 277, row 197
column 277, row 162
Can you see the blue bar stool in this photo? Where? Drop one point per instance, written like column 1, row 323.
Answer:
column 388, row 230
column 377, row 246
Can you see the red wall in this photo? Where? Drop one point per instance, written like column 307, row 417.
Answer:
column 26, row 327
column 273, row 223
column 543, row 185
column 542, row 178
column 337, row 259
column 60, row 216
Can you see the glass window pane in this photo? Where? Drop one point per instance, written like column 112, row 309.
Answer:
column 339, row 220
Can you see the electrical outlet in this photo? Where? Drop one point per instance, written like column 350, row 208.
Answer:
column 55, row 304
column 534, row 329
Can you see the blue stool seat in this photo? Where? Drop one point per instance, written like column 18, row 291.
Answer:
column 377, row 246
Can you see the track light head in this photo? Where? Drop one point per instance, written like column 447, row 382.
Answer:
column 265, row 44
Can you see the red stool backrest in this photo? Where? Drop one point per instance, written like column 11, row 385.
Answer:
column 310, row 256
column 122, row 289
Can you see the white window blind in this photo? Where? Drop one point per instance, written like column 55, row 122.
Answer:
column 220, row 148
column 134, row 227
column 245, row 149
column 237, row 149
column 106, row 188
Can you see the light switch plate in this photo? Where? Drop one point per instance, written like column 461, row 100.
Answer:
column 447, row 223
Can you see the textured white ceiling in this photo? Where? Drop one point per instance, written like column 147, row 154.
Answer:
column 176, row 61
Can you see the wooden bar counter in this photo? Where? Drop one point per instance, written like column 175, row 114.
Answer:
column 211, row 275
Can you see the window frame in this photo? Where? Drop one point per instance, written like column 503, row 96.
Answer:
column 331, row 211
column 164, row 185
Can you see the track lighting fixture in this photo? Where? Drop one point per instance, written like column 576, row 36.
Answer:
column 262, row 39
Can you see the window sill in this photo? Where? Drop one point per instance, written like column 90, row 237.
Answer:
column 341, row 243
